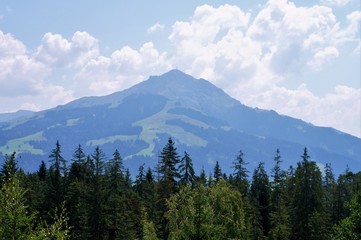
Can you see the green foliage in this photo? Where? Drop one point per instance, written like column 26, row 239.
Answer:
column 201, row 213
column 15, row 222
column 350, row 227
column 168, row 171
column 308, row 199
column 186, row 171
column 260, row 199
column 279, row 215
column 217, row 172
column 59, row 229
column 97, row 199
column 240, row 174
column 9, row 168
column 149, row 232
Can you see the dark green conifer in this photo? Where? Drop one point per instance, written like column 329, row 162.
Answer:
column 186, row 171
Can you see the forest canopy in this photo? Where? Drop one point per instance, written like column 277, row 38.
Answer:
column 95, row 197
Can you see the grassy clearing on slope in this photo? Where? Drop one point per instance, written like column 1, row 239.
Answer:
column 111, row 139
column 156, row 124
column 20, row 145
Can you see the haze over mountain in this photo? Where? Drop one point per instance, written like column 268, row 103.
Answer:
column 203, row 120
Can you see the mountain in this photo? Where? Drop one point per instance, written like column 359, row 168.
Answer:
column 6, row 117
column 201, row 118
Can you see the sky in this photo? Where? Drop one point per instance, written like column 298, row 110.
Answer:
column 300, row 58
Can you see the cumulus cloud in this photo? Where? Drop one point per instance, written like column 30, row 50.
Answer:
column 22, row 79
column 61, row 52
column 251, row 57
column 327, row 110
column 276, row 42
column 156, row 27
column 248, row 54
column 19, row 73
column 122, row 69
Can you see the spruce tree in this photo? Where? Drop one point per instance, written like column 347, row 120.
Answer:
column 217, row 172
column 9, row 168
column 186, row 171
column 279, row 216
column 42, row 172
column 96, row 196
column 150, row 194
column 117, row 193
column 260, row 200
column 140, row 181
column 15, row 220
column 329, row 187
column 168, row 173
column 308, row 201
column 349, row 228
column 56, row 173
column 240, row 174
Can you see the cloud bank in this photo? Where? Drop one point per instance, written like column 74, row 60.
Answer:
column 249, row 55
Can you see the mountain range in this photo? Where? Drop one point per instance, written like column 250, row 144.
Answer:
column 201, row 118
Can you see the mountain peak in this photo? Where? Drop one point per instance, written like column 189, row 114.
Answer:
column 198, row 115
column 174, row 73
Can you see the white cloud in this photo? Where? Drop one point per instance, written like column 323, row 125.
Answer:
column 22, row 79
column 323, row 56
column 122, row 69
column 252, row 59
column 155, row 27
column 275, row 42
column 9, row 46
column 60, row 52
column 20, row 74
column 328, row 110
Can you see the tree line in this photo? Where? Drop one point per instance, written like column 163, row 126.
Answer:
column 97, row 198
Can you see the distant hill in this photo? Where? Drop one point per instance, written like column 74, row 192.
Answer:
column 202, row 119
column 6, row 117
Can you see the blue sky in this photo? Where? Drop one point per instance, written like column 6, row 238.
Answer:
column 300, row 58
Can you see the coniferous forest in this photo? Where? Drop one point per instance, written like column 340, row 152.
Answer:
column 94, row 197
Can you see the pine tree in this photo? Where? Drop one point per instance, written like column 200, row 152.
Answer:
column 149, row 194
column 149, row 232
column 190, row 215
column 96, row 197
column 186, row 171
column 9, row 168
column 77, row 169
column 15, row 221
column 279, row 216
column 350, row 227
column 140, row 182
column 260, row 199
column 202, row 179
column 329, row 187
column 307, row 201
column 167, row 185
column 217, row 172
column 56, row 172
column 115, row 191
column 42, row 172
column 240, row 175
column 169, row 159
column 343, row 194
column 59, row 163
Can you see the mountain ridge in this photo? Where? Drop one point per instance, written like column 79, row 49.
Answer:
column 202, row 119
